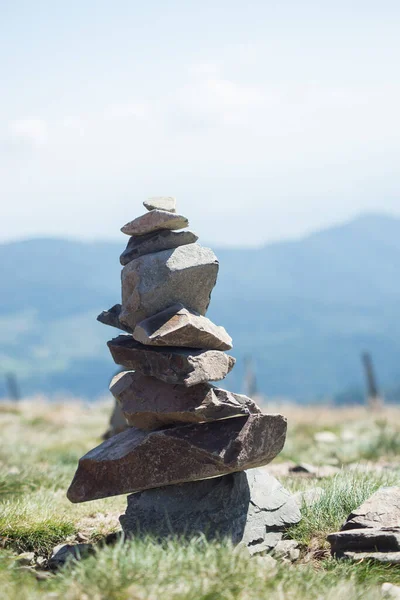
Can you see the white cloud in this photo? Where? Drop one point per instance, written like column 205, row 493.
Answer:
column 29, row 131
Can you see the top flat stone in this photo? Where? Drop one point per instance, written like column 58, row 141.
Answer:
column 155, row 220
column 162, row 203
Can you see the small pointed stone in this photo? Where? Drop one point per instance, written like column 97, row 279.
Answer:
column 172, row 365
column 111, row 317
column 148, row 403
column 156, row 242
column 153, row 282
column 161, row 203
column 135, row 460
column 154, row 221
column 178, row 326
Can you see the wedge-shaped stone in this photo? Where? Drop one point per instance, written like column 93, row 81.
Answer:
column 135, row 460
column 161, row 203
column 365, row 540
column 172, row 365
column 178, row 326
column 153, row 282
column 148, row 403
column 111, row 317
column 156, row 242
column 153, row 221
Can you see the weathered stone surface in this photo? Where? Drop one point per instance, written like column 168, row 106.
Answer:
column 390, row 591
column 365, row 540
column 153, row 221
column 148, row 403
column 153, row 282
column 162, row 203
column 287, row 550
column 381, row 510
column 251, row 508
column 118, row 422
column 156, row 242
column 178, row 326
column 66, row 552
column 173, row 365
column 135, row 460
column 111, row 317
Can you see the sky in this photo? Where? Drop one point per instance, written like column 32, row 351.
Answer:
column 265, row 119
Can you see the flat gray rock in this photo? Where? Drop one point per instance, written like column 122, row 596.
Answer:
column 183, row 366
column 151, row 283
column 162, row 203
column 224, row 507
column 111, row 317
column 392, row 558
column 149, row 404
column 365, row 540
column 153, row 221
column 381, row 510
column 136, row 460
column 178, row 326
column 156, row 242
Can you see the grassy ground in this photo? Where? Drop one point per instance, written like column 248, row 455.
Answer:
column 40, row 445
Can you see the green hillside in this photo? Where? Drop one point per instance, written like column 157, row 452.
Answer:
column 303, row 310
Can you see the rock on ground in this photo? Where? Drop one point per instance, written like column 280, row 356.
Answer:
column 162, row 203
column 156, row 242
column 390, row 591
column 149, row 404
column 392, row 558
column 154, row 221
column 381, row 510
column 134, row 461
column 153, row 282
column 178, row 326
column 172, row 365
column 251, row 508
column 364, row 540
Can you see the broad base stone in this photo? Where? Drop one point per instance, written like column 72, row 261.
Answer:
column 162, row 203
column 111, row 317
column 156, row 242
column 149, row 404
column 136, row 460
column 178, row 326
column 182, row 366
column 152, row 283
column 153, row 221
column 250, row 508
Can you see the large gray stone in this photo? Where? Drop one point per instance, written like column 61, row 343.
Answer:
column 111, row 317
column 173, row 365
column 156, row 242
column 178, row 326
column 148, row 403
column 151, row 283
column 381, row 510
column 136, row 460
column 162, row 203
column 153, row 221
column 250, row 508
column 365, row 540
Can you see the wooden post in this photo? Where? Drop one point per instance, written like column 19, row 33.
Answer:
column 374, row 399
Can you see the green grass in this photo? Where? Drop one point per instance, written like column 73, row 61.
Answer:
column 39, row 449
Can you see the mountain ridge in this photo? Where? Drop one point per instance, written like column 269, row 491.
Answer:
column 304, row 310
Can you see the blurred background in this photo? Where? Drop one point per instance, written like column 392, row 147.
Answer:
column 275, row 124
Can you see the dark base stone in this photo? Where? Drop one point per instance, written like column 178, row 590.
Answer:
column 250, row 507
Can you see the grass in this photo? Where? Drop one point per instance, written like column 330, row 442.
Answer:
column 39, row 449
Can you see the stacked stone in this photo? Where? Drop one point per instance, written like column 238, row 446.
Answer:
column 185, row 455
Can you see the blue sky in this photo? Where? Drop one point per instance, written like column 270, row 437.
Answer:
column 266, row 119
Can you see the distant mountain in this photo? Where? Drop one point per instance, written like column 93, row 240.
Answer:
column 302, row 310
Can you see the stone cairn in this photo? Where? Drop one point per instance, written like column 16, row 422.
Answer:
column 190, row 454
